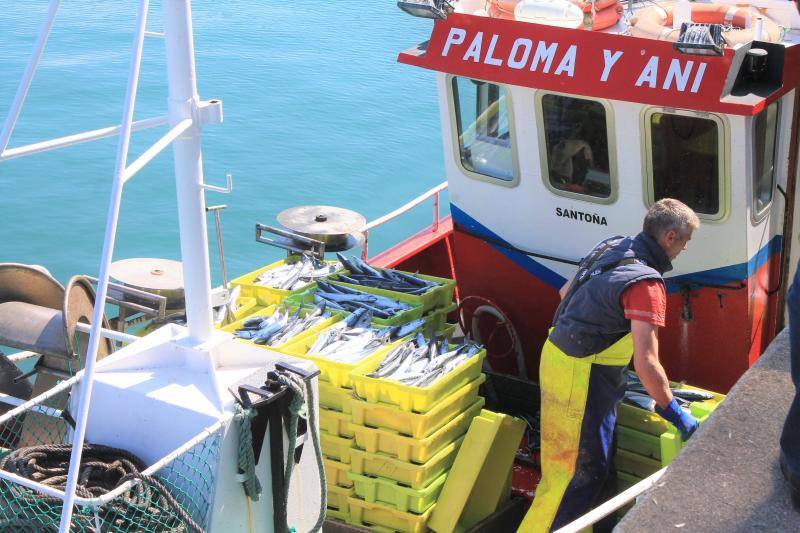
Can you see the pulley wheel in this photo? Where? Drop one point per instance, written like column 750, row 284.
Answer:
column 328, row 224
column 163, row 277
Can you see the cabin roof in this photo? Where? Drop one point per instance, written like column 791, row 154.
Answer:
column 605, row 65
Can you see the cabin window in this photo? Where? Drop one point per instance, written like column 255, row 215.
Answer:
column 765, row 126
column 575, row 137
column 685, row 160
column 483, row 130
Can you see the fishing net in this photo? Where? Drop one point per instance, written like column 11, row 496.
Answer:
column 116, row 491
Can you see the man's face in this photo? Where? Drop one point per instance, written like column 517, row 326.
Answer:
column 674, row 242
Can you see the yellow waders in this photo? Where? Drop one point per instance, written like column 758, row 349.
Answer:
column 564, row 382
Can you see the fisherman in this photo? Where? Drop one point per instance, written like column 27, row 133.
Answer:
column 790, row 437
column 610, row 311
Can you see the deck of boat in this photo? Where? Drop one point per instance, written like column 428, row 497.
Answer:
column 727, row 478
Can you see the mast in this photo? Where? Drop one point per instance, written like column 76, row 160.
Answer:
column 183, row 104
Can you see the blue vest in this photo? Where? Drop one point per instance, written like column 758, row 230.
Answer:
column 590, row 318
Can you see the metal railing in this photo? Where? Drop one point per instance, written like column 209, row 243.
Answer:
column 435, row 192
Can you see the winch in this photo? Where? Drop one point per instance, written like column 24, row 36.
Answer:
column 315, row 229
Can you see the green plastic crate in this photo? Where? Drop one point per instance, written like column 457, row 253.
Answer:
column 306, row 299
column 437, row 319
column 440, row 296
column 646, row 434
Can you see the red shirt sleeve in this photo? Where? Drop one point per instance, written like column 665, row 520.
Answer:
column 646, row 301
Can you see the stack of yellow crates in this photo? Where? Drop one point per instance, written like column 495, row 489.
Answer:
column 388, row 447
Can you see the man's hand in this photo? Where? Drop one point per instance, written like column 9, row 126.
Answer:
column 679, row 418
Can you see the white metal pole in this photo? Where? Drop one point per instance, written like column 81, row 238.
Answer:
column 183, row 104
column 105, row 263
column 78, row 138
column 27, row 77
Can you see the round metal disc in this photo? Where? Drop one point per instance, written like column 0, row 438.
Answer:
column 322, row 222
column 158, row 276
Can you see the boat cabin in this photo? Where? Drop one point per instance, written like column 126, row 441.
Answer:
column 558, row 137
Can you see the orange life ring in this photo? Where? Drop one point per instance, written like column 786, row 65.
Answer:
column 501, row 9
column 655, row 22
column 605, row 18
column 586, row 5
column 606, row 15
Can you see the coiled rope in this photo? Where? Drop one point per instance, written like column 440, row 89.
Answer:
column 246, row 458
column 147, row 505
column 303, row 395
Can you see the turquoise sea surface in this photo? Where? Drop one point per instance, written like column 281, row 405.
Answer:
column 317, row 111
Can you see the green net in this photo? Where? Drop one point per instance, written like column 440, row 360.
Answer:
column 176, row 497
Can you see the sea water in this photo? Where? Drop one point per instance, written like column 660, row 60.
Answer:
column 317, row 111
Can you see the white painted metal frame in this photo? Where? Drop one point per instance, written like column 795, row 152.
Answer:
column 435, row 192
column 186, row 118
column 105, row 264
column 27, row 77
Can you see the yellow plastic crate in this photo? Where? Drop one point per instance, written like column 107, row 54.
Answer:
column 404, row 499
column 246, row 307
column 411, row 449
column 408, row 398
column 413, row 475
column 337, row 499
column 268, row 311
column 335, row 423
column 334, row 372
column 367, row 514
column 334, row 398
column 417, row 425
column 336, row 473
column 335, row 447
column 334, row 514
column 267, row 295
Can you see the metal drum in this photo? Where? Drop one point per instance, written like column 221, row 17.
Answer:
column 339, row 229
column 163, row 277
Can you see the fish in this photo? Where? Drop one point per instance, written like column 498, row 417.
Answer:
column 360, row 273
column 642, row 401
column 352, row 340
column 352, row 300
column 692, row 395
column 303, row 271
column 419, row 361
column 281, row 326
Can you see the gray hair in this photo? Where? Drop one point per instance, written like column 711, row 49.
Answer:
column 669, row 214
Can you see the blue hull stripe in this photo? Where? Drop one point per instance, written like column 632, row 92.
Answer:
column 728, row 274
column 531, row 266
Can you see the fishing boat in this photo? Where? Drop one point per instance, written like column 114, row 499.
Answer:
column 562, row 122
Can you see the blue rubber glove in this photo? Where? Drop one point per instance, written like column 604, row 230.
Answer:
column 679, row 418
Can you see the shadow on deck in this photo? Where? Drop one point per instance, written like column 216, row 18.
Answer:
column 727, row 477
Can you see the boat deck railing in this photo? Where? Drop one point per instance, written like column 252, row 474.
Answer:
column 432, row 193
